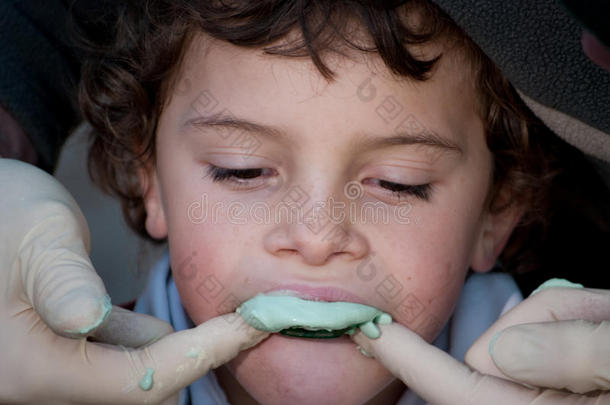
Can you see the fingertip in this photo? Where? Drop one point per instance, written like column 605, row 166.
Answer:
column 233, row 330
column 79, row 314
column 247, row 324
column 102, row 307
column 492, row 342
column 363, row 343
column 370, row 330
column 384, row 319
column 364, row 333
column 505, row 354
column 514, row 350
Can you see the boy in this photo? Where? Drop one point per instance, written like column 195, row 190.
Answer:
column 451, row 152
column 211, row 126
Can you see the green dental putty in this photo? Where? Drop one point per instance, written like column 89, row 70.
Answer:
column 147, row 381
column 293, row 316
column 556, row 282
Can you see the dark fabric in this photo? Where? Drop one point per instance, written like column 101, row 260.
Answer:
column 38, row 69
column 592, row 14
column 128, row 305
column 38, row 73
column 537, row 46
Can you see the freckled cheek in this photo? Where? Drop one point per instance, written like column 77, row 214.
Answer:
column 425, row 308
column 430, row 275
column 201, row 263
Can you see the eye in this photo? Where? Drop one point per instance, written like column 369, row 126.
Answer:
column 398, row 190
column 250, row 177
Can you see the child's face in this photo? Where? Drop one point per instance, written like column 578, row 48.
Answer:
column 312, row 138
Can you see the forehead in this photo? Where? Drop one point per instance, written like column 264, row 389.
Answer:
column 285, row 90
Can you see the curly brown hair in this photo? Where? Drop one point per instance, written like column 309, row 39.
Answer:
column 130, row 68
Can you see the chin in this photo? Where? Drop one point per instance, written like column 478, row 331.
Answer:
column 285, row 370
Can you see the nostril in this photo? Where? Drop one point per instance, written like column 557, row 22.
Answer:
column 288, row 252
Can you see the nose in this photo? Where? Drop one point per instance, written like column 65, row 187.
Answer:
column 316, row 231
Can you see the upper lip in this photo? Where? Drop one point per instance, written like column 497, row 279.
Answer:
column 319, row 293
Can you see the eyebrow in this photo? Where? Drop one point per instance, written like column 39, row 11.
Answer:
column 424, row 137
column 228, row 121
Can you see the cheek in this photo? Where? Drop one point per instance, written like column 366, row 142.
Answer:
column 202, row 266
column 207, row 247
column 428, row 305
column 202, row 243
column 195, row 270
column 430, row 290
column 423, row 265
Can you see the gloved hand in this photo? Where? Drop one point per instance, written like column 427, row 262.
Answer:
column 565, row 343
column 51, row 299
column 559, row 353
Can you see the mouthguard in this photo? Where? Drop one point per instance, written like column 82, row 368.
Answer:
column 296, row 317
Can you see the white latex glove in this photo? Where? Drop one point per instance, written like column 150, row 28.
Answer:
column 51, row 298
column 558, row 354
column 564, row 344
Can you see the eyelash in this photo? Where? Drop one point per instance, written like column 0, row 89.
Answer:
column 236, row 177
column 421, row 191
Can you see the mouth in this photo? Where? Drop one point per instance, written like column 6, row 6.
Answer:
column 319, row 294
column 302, row 312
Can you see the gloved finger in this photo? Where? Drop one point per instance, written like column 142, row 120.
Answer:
column 105, row 374
column 574, row 355
column 130, row 329
column 44, row 251
column 441, row 380
column 64, row 289
column 552, row 304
